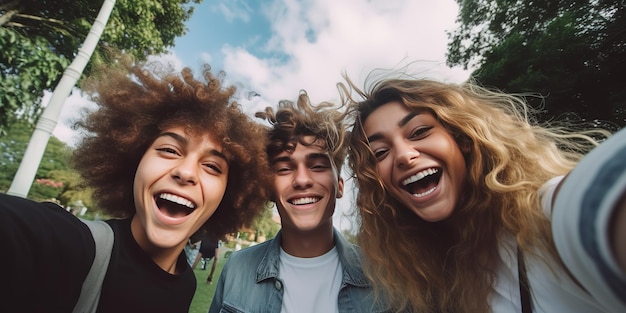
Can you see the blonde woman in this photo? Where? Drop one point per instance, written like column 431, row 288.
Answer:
column 455, row 197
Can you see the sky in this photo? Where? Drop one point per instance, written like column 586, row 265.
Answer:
column 274, row 48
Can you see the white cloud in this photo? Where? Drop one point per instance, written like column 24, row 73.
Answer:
column 233, row 10
column 206, row 58
column 322, row 38
column 170, row 59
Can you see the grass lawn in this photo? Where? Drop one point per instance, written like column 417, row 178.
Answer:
column 204, row 292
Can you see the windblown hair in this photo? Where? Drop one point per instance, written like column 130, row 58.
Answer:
column 450, row 266
column 292, row 123
column 136, row 102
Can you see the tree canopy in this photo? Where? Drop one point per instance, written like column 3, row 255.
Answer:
column 573, row 53
column 39, row 38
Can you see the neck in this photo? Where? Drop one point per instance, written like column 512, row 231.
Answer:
column 165, row 258
column 308, row 244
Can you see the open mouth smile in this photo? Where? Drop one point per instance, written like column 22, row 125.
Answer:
column 422, row 183
column 305, row 200
column 173, row 205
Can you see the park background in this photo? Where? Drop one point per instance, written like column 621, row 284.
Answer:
column 567, row 57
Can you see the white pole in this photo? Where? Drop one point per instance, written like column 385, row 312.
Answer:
column 47, row 122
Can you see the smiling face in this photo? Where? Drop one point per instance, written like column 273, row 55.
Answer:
column 179, row 183
column 420, row 162
column 306, row 185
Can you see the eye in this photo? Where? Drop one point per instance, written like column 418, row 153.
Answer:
column 281, row 168
column 214, row 168
column 380, row 153
column 320, row 167
column 420, row 132
column 168, row 150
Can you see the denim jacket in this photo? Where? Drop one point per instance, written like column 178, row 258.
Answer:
column 249, row 281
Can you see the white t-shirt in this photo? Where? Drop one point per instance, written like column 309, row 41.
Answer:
column 552, row 290
column 311, row 284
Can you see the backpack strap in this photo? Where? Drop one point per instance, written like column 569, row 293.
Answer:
column 524, row 285
column 92, row 285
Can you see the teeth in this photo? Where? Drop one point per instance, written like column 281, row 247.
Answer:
column 425, row 193
column 306, row 200
column 178, row 200
column 419, row 176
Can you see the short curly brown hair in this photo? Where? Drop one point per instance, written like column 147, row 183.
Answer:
column 137, row 101
column 293, row 121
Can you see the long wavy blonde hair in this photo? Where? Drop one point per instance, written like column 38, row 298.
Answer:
column 450, row 266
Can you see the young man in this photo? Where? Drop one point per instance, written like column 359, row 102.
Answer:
column 308, row 266
column 167, row 154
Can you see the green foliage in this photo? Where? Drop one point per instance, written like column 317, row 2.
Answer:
column 73, row 188
column 264, row 224
column 12, row 147
column 571, row 52
column 54, row 178
column 45, row 189
column 349, row 235
column 39, row 38
column 29, row 67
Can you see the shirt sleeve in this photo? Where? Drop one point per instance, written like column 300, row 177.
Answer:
column 46, row 253
column 581, row 218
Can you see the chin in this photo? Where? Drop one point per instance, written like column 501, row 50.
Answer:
column 165, row 240
column 434, row 217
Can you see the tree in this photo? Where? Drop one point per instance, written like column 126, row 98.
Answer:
column 39, row 37
column 55, row 178
column 571, row 52
column 12, row 149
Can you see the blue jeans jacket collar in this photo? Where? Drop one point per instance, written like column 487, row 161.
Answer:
column 349, row 257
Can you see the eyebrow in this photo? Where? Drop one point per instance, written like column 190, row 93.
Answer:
column 183, row 141
column 309, row 157
column 317, row 156
column 405, row 120
column 281, row 159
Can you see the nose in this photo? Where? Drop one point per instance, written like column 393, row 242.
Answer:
column 186, row 172
column 302, row 178
column 406, row 154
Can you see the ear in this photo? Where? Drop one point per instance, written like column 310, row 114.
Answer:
column 339, row 188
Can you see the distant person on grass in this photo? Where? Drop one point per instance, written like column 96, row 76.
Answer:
column 208, row 251
column 308, row 266
column 166, row 153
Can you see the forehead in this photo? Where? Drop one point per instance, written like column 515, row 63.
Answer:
column 303, row 151
column 306, row 141
column 387, row 115
column 190, row 136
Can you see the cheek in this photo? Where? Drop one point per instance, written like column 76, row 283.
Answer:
column 140, row 177
column 215, row 189
column 222, row 185
column 276, row 187
column 384, row 169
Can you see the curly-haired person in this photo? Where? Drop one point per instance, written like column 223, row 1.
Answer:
column 167, row 155
column 455, row 197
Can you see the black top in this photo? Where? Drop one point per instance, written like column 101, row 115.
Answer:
column 46, row 254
